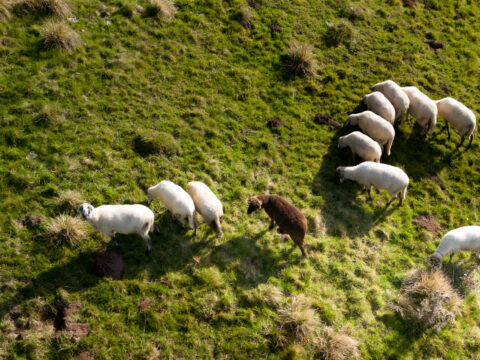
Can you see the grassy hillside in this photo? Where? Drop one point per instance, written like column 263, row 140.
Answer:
column 145, row 98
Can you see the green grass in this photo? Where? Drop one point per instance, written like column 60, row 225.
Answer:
column 141, row 100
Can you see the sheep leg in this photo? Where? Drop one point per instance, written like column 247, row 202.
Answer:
column 441, row 131
column 451, row 256
column 461, row 142
column 149, row 246
column 448, row 130
column 391, row 200
column 302, row 249
column 470, row 142
column 370, row 193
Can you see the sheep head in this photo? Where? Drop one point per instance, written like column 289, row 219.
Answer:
column 254, row 203
column 341, row 143
column 351, row 120
column 435, row 261
column 341, row 173
column 85, row 209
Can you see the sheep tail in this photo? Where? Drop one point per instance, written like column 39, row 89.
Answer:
column 148, row 226
column 389, row 146
column 470, row 130
column 193, row 223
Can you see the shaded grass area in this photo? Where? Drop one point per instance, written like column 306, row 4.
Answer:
column 144, row 100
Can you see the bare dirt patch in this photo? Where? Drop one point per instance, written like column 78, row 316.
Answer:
column 32, row 221
column 254, row 4
column 64, row 321
column 429, row 223
column 276, row 29
column 145, row 304
column 438, row 181
column 323, row 119
column 85, row 355
column 274, row 123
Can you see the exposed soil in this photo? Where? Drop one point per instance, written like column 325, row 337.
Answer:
column 109, row 264
column 407, row 57
column 31, row 221
column 429, row 223
column 274, row 123
column 276, row 29
column 246, row 23
column 446, row 90
column 436, row 44
column 429, row 35
column 64, row 321
column 144, row 304
column 323, row 119
column 409, row 3
column 438, row 181
column 85, row 355
column 254, row 4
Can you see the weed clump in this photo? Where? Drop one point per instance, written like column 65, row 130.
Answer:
column 57, row 35
column 66, row 230
column 42, row 7
column 155, row 142
column 163, row 9
column 337, row 34
column 427, row 299
column 298, row 319
column 299, row 60
column 338, row 346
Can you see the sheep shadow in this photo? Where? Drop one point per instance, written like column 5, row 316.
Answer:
column 344, row 211
column 74, row 275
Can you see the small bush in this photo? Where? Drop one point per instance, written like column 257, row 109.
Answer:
column 298, row 319
column 427, row 299
column 337, row 34
column 60, row 36
column 66, row 230
column 42, row 7
column 299, row 60
column 149, row 142
column 338, row 346
column 4, row 10
column 164, row 9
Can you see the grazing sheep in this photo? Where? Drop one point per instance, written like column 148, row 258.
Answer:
column 207, row 204
column 122, row 219
column 177, row 200
column 393, row 92
column 374, row 126
column 459, row 116
column 460, row 239
column 381, row 176
column 422, row 108
column 285, row 215
column 359, row 143
column 379, row 104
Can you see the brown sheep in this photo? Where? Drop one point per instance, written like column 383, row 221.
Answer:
column 286, row 216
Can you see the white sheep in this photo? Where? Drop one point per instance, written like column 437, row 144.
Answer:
column 177, row 200
column 458, row 115
column 362, row 145
column 422, row 108
column 381, row 176
column 374, row 126
column 461, row 239
column 207, row 204
column 393, row 92
column 121, row 219
column 379, row 104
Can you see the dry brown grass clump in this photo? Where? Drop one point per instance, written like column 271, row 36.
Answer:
column 338, row 346
column 57, row 35
column 428, row 299
column 268, row 294
column 66, row 230
column 298, row 319
column 164, row 9
column 42, row 7
column 69, row 198
column 4, row 10
column 299, row 60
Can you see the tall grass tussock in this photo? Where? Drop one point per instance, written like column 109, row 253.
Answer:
column 299, row 60
column 66, row 230
column 4, row 10
column 57, row 35
column 337, row 346
column 428, row 300
column 298, row 319
column 58, row 8
column 163, row 9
